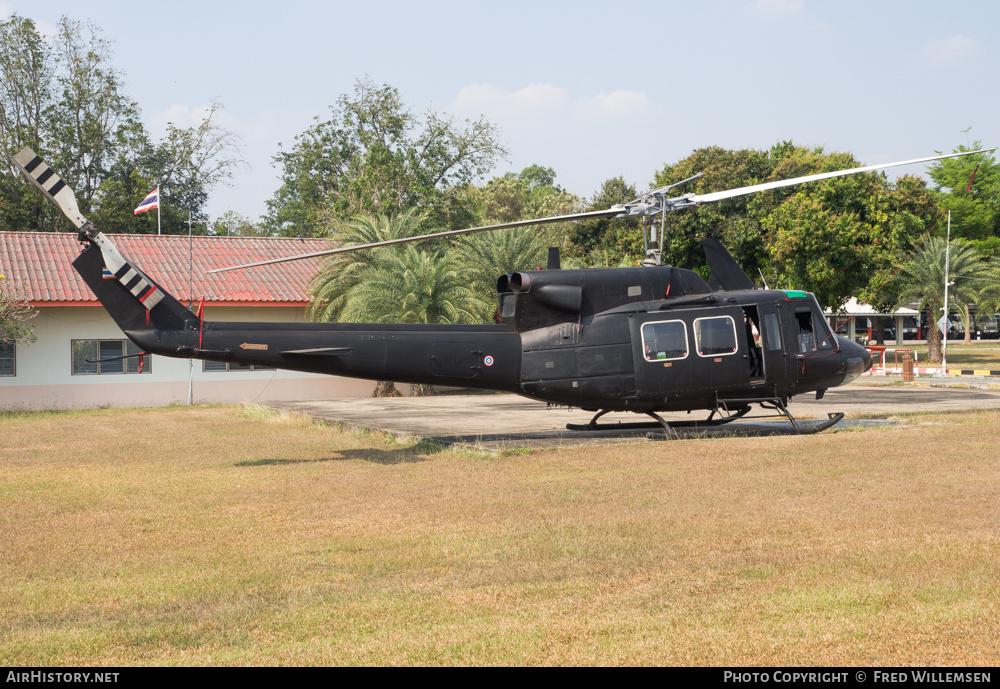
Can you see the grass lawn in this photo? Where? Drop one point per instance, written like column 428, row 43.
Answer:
column 223, row 535
column 978, row 355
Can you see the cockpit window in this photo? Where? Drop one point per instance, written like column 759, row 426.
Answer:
column 715, row 336
column 664, row 340
column 811, row 330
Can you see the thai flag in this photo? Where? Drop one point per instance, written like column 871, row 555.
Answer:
column 149, row 203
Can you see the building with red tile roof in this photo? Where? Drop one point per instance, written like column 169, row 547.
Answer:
column 42, row 262
column 72, row 327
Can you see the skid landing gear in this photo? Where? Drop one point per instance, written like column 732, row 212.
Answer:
column 780, row 407
column 669, row 428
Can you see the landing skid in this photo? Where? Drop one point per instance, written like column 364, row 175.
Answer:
column 669, row 428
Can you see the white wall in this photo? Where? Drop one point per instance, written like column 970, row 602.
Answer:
column 44, row 377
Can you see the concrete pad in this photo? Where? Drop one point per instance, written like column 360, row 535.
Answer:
column 498, row 422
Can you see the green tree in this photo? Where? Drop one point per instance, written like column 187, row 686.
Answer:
column 838, row 238
column 975, row 209
column 27, row 71
column 734, row 222
column 374, row 156
column 847, row 238
column 614, row 240
column 531, row 193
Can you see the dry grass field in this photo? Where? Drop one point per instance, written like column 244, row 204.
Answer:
column 222, row 535
column 978, row 355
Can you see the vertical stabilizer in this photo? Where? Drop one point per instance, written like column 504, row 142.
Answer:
column 726, row 272
column 120, row 291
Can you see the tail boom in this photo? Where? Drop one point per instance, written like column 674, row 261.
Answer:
column 487, row 357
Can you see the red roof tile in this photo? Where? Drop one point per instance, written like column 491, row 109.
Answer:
column 42, row 263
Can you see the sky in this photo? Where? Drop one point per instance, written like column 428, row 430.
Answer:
column 591, row 89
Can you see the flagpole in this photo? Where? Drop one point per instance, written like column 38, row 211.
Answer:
column 159, row 202
column 190, row 304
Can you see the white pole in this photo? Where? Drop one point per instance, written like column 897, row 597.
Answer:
column 190, row 304
column 947, row 267
column 159, row 202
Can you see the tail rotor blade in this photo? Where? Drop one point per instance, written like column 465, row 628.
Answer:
column 43, row 177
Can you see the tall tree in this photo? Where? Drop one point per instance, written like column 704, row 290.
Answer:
column 374, row 156
column 27, row 67
column 974, row 202
column 834, row 237
column 734, row 222
column 67, row 101
column 613, row 240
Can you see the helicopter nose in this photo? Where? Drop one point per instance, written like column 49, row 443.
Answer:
column 856, row 359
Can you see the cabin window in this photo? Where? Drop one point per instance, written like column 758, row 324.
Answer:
column 772, row 332
column 217, row 366
column 664, row 340
column 8, row 351
column 105, row 358
column 715, row 336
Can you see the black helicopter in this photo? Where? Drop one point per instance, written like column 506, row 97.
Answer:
column 645, row 339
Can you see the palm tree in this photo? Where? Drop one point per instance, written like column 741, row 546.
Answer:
column 488, row 255
column 411, row 285
column 341, row 272
column 396, row 284
column 923, row 278
column 988, row 299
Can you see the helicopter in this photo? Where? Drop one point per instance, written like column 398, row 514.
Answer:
column 645, row 339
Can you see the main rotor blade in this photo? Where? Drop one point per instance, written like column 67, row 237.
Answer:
column 720, row 195
column 610, row 213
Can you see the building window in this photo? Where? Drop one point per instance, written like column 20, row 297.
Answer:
column 216, row 366
column 100, row 351
column 7, row 359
